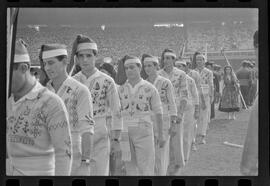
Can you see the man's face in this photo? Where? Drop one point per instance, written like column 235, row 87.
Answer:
column 132, row 71
column 181, row 67
column 200, row 61
column 18, row 78
column 168, row 61
column 149, row 67
column 53, row 67
column 86, row 60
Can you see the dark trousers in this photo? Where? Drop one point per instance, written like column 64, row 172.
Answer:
column 212, row 115
column 245, row 93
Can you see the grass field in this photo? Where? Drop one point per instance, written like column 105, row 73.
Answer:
column 214, row 158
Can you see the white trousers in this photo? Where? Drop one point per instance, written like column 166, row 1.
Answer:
column 101, row 154
column 30, row 166
column 142, row 150
column 162, row 154
column 188, row 130
column 204, row 117
column 176, row 149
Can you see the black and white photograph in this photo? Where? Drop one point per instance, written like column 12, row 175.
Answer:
column 132, row 92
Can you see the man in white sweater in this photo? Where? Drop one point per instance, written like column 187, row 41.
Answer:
column 105, row 99
column 78, row 102
column 38, row 133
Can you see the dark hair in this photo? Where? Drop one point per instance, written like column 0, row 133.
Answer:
column 121, row 76
column 194, row 62
column 233, row 76
column 109, row 68
column 256, row 39
column 43, row 72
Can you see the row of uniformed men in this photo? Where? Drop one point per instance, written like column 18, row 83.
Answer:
column 65, row 132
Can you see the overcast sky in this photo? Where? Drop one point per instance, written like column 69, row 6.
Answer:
column 130, row 16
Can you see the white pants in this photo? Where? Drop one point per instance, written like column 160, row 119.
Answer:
column 101, row 155
column 188, row 130
column 142, row 150
column 176, row 149
column 162, row 154
column 204, row 117
column 30, row 166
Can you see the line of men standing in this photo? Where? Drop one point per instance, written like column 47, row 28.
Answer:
column 63, row 129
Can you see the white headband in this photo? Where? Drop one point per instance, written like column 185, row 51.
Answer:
column 53, row 53
column 151, row 59
column 21, row 58
column 85, row 46
column 201, row 55
column 170, row 54
column 180, row 63
column 132, row 61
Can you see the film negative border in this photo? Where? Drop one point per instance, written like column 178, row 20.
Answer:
column 262, row 180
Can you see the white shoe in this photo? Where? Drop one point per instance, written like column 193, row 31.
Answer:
column 203, row 141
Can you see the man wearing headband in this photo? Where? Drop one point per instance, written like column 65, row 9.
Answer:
column 191, row 112
column 78, row 101
column 105, row 98
column 249, row 162
column 208, row 94
column 178, row 79
column 38, row 132
column 244, row 77
column 139, row 101
column 166, row 93
column 197, row 78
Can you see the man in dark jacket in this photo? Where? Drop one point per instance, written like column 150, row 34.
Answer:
column 244, row 77
column 209, row 65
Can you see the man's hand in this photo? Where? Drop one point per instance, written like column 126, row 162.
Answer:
column 173, row 128
column 160, row 141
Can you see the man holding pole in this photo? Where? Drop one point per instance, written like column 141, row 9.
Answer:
column 208, row 94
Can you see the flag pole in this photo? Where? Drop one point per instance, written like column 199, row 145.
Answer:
column 205, row 52
column 13, row 18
